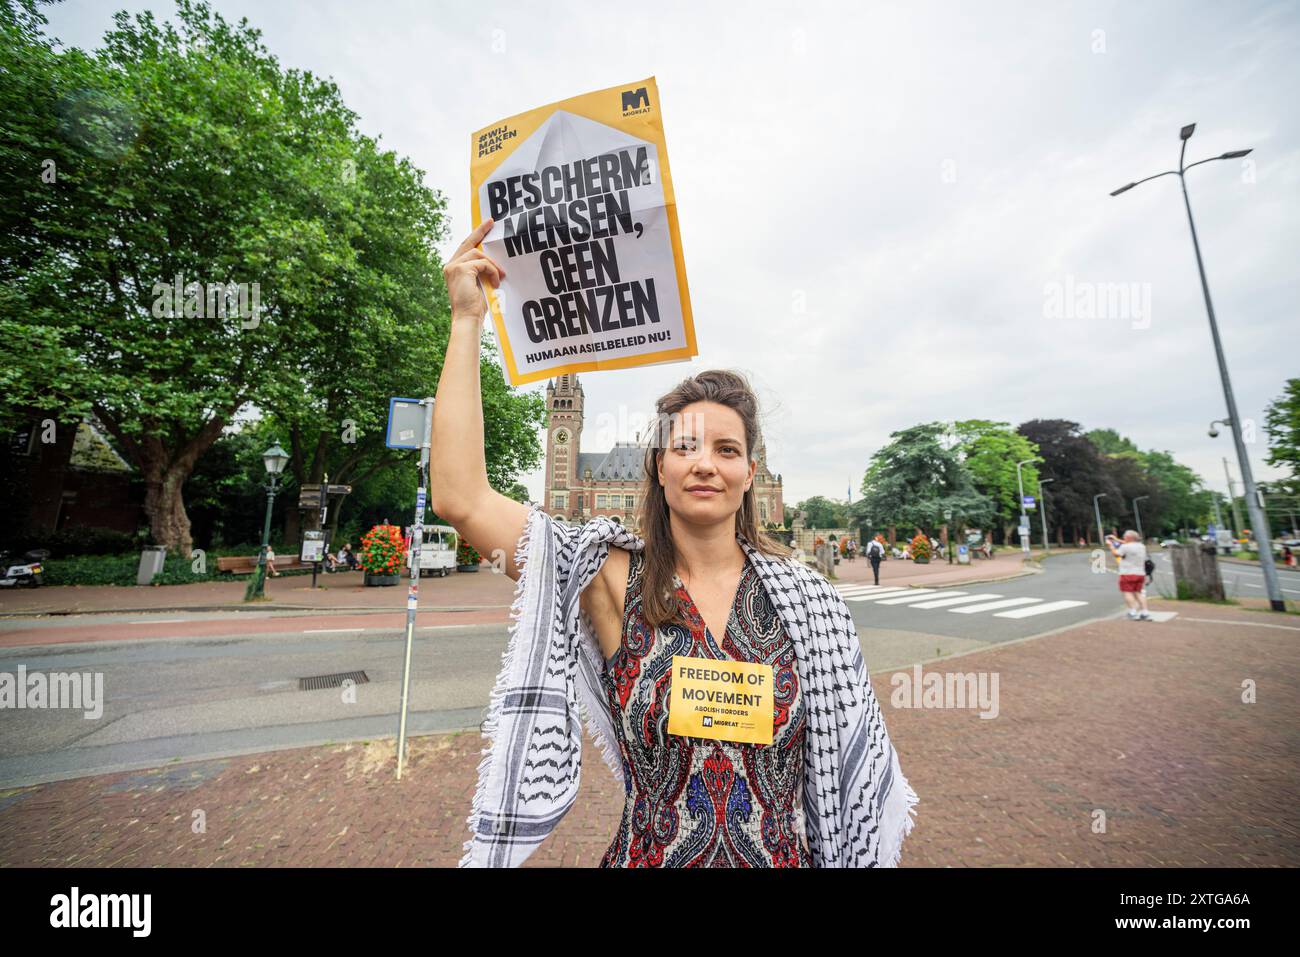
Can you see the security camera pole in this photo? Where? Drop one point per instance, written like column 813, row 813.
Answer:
column 1258, row 520
column 408, row 418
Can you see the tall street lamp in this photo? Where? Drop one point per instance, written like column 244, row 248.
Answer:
column 1101, row 532
column 1258, row 520
column 1137, row 516
column 1042, row 509
column 275, row 459
column 948, row 539
column 1238, row 528
column 1218, row 519
column 1024, row 516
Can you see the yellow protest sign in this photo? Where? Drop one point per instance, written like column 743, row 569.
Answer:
column 585, row 227
column 723, row 700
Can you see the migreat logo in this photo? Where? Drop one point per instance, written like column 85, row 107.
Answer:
column 636, row 101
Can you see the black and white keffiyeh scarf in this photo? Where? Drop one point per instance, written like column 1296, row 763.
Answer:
column 857, row 804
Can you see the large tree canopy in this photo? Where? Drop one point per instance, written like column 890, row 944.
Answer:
column 183, row 158
column 990, row 451
column 822, row 512
column 915, row 479
column 1080, row 474
column 1282, row 423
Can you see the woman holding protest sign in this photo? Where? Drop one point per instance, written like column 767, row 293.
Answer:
column 723, row 682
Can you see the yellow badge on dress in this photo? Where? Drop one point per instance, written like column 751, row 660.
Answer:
column 720, row 699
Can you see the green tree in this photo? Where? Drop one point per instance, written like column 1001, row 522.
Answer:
column 183, row 153
column 1174, row 495
column 1184, row 500
column 1282, row 423
column 172, row 152
column 990, row 451
column 1080, row 474
column 823, row 512
column 518, row 491
column 915, row 479
column 1110, row 442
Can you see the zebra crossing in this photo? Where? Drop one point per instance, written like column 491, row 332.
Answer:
column 956, row 602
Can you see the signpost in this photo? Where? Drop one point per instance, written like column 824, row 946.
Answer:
column 1026, row 505
column 313, row 498
column 309, row 497
column 410, row 426
column 313, row 550
column 313, row 547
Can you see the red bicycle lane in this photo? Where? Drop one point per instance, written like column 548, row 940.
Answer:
column 236, row 624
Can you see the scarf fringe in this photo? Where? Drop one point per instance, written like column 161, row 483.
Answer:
column 898, row 819
column 505, row 680
column 593, row 727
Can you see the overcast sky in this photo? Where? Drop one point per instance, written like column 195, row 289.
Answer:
column 888, row 210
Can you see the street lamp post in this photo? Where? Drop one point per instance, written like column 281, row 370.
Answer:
column 1024, row 516
column 1042, row 509
column 275, row 459
column 947, row 533
column 1258, row 521
column 1232, row 497
column 1138, row 516
column 1101, row 532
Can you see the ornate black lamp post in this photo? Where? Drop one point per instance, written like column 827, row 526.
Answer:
column 275, row 459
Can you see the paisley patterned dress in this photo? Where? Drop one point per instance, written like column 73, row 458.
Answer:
column 696, row 802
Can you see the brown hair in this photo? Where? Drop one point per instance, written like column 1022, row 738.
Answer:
column 659, row 603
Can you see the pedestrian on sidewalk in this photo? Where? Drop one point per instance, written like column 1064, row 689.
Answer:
column 601, row 614
column 1132, row 555
column 875, row 555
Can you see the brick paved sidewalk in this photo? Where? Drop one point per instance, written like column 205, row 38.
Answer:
column 1141, row 721
column 341, row 592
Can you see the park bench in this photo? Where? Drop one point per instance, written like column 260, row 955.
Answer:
column 244, row 565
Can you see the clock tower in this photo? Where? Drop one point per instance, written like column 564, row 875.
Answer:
column 564, row 407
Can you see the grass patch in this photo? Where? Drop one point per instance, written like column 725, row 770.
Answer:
column 1292, row 608
column 122, row 569
column 1186, row 593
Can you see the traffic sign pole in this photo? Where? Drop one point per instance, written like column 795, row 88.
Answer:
column 413, row 591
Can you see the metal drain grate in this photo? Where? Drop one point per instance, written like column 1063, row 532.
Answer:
column 318, row 682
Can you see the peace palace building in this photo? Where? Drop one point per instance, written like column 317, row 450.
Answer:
column 583, row 485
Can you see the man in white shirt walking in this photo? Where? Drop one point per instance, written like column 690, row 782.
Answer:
column 875, row 553
column 1132, row 555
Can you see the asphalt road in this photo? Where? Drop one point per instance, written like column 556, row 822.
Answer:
column 994, row 611
column 218, row 684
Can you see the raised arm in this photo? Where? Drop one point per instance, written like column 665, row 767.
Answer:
column 458, row 485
